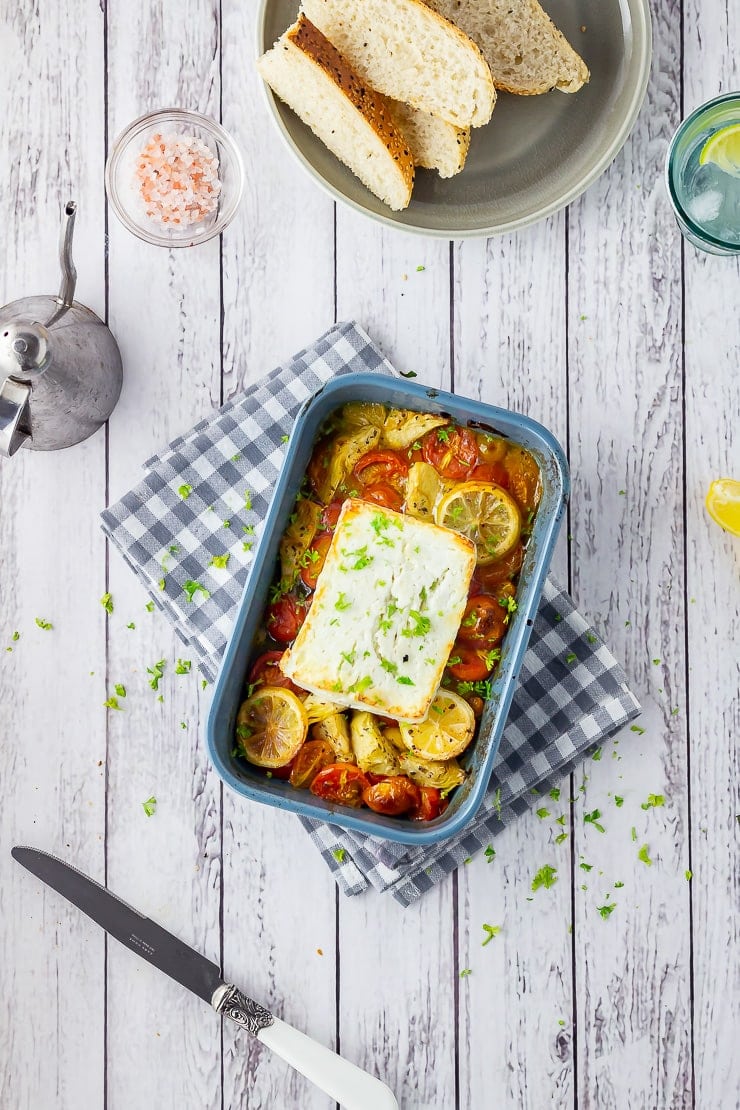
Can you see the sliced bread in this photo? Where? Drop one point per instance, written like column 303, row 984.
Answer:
column 353, row 120
column 410, row 53
column 526, row 52
column 434, row 144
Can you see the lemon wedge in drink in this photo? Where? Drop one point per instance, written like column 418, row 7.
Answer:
column 723, row 504
column 722, row 149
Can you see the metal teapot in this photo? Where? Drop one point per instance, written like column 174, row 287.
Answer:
column 59, row 380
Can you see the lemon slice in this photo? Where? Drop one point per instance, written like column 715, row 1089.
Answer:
column 484, row 513
column 271, row 726
column 723, row 504
column 445, row 733
column 723, row 149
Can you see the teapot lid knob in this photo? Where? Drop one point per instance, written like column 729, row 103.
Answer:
column 24, row 349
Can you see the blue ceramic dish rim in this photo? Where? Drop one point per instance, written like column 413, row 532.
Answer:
column 231, row 673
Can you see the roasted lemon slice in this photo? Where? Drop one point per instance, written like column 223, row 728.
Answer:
column 486, row 514
column 271, row 726
column 723, row 503
column 445, row 733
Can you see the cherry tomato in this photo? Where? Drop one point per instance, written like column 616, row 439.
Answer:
column 484, row 621
column 491, row 472
column 476, row 704
column 343, row 783
column 492, row 449
column 381, row 466
column 311, row 758
column 503, row 570
column 380, row 493
column 372, row 779
column 472, row 666
column 524, row 477
column 431, row 804
column 315, row 559
column 265, row 670
column 393, row 796
column 284, row 619
column 282, row 772
column 330, row 516
column 453, row 452
column 319, row 463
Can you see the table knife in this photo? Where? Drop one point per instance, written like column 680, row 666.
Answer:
column 349, row 1085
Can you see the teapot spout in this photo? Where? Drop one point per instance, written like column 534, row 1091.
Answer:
column 65, row 297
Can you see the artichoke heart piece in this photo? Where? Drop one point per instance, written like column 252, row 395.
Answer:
column 361, row 414
column 318, row 709
column 297, row 539
column 334, row 730
column 444, row 775
column 346, row 451
column 422, row 490
column 403, row 427
column 374, row 753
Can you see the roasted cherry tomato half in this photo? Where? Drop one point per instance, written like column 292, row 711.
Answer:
column 491, row 472
column 380, row 493
column 524, row 478
column 311, row 758
column 282, row 772
column 343, row 783
column 315, row 558
column 393, row 796
column 265, row 671
column 469, row 663
column 453, row 452
column 502, row 570
column 431, row 804
column 381, row 466
column 330, row 516
column 484, row 621
column 284, row 619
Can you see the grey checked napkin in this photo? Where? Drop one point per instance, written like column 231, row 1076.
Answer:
column 208, row 492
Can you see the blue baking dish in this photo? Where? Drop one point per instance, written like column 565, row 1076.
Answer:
column 479, row 758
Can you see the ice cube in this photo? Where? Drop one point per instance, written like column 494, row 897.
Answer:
column 706, row 207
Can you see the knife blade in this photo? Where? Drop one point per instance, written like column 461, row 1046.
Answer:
column 352, row 1087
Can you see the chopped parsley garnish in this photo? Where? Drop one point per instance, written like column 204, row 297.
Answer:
column 497, row 802
column 203, row 683
column 491, row 931
column 492, row 657
column 571, row 658
column 546, row 877
column 249, row 529
column 190, row 589
column 131, row 625
column 107, row 602
column 618, row 886
column 593, row 819
column 561, row 837
column 227, row 524
column 482, row 688
column 469, row 620
column 443, row 435
column 420, row 268
column 510, row 605
column 185, row 490
column 120, row 689
column 247, row 500
column 644, row 855
column 361, row 557
column 284, row 439
column 385, row 622
column 420, row 624
column 454, row 660
column 337, row 687
column 183, row 666
column 490, row 853
column 591, row 638
column 688, row 875
column 149, row 606
column 618, row 801
column 111, row 703
column 220, row 561
column 596, row 754
column 633, row 833
column 157, row 672
column 586, row 866
column 656, row 662
column 465, row 972
column 361, row 685
column 46, row 625
column 409, row 373
column 149, row 806
column 637, row 729
column 348, row 656
column 246, row 545
column 653, row 801
column 606, row 910
column 339, row 854
column 388, row 665
column 404, row 680
column 162, row 583
column 341, row 603
column 542, row 813
column 555, row 794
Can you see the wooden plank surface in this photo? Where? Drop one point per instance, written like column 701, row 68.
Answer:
column 598, row 323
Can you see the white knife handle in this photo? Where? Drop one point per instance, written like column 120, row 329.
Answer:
column 352, row 1087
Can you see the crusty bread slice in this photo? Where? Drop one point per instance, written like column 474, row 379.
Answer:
column 526, row 52
column 434, row 144
column 410, row 53
column 354, row 121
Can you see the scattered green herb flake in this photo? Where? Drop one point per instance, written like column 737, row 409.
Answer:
column 191, row 588
column 561, row 837
column 182, row 666
column 491, row 931
column 558, row 618
column 618, row 885
column 656, row 662
column 420, row 268
column 131, row 625
column 643, row 855
column 586, row 866
column 618, row 801
column 220, row 561
column 248, row 529
column 605, row 911
column 284, row 439
column 227, row 524
column 388, row 665
column 622, row 492
column 107, row 602
column 688, row 875
column 203, row 683
column 633, row 833
column 637, row 729
column 120, row 689
column 341, row 603
column 339, row 854
column 542, row 813
column 653, row 801
column 591, row 638
column 490, row 853
column 183, row 724
column 492, row 657
column 150, row 806
column 45, row 625
column 247, row 499
column 419, row 626
column 510, row 605
column 246, row 546
column 596, row 754
column 404, row 680
column 111, row 703
column 408, row 374
column 173, row 549
column 465, row 972
column 15, row 637
column 555, row 793
column 185, row 491
column 361, row 685
column 162, row 583
column 497, row 802
column 561, row 819
column 571, row 658
column 546, row 877
column 149, row 606
column 593, row 819
column 157, row 672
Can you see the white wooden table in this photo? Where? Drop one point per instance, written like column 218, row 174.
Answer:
column 600, row 323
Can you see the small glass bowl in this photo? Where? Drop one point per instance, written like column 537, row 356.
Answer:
column 123, row 189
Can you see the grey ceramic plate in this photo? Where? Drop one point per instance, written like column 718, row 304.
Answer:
column 537, row 154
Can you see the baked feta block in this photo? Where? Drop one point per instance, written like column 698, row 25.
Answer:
column 385, row 613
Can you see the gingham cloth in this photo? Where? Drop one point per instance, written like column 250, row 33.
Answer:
column 207, row 494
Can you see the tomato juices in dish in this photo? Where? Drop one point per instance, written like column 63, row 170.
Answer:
column 425, row 466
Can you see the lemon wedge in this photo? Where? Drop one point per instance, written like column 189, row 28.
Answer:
column 271, row 726
column 445, row 733
column 723, row 149
column 723, row 504
column 486, row 514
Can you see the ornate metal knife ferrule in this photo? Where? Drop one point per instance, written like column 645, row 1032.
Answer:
column 229, row 1000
